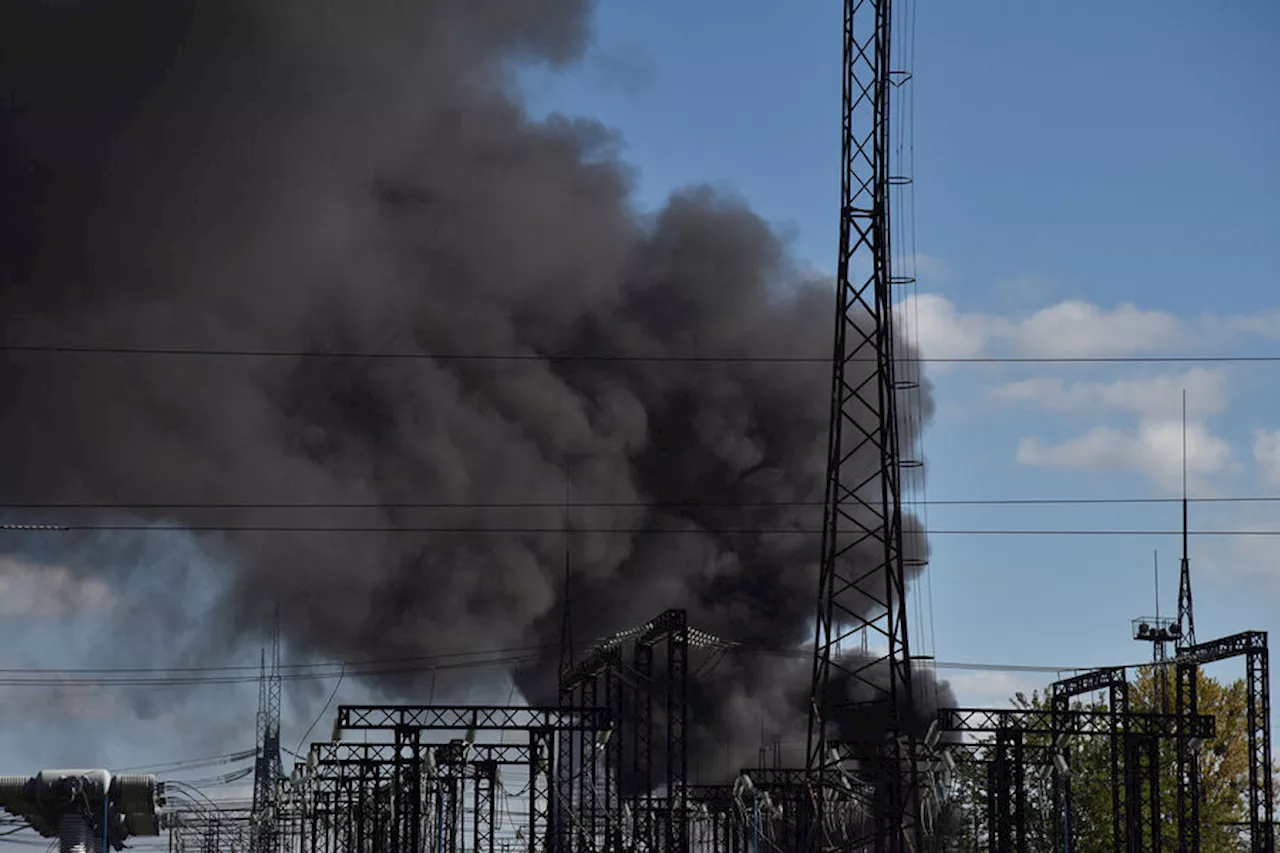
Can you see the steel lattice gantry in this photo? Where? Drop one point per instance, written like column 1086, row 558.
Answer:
column 1011, row 727
column 209, row 830
column 649, row 706
column 359, row 815
column 1085, row 723
column 1114, row 680
column 1252, row 646
column 595, row 681
column 862, row 584
column 542, row 725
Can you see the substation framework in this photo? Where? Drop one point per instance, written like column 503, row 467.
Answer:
column 1252, row 646
column 209, row 829
column 1020, row 738
column 606, row 770
column 1114, row 680
column 1008, row 756
column 632, row 692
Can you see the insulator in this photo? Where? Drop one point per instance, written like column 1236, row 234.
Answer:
column 134, row 793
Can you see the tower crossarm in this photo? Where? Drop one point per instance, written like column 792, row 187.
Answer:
column 1088, row 682
column 473, row 717
column 1212, row 651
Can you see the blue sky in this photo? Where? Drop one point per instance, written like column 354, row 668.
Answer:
column 1091, row 179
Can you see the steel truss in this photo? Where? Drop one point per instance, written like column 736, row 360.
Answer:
column 632, row 694
column 1143, row 819
column 1006, row 773
column 450, row 769
column 460, row 718
column 1252, row 646
column 426, row 782
column 1115, row 681
column 862, row 582
column 1085, row 723
column 209, row 830
column 595, row 682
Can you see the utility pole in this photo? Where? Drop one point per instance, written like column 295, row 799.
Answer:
column 862, row 582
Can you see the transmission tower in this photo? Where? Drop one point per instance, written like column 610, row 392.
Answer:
column 267, row 770
column 862, row 586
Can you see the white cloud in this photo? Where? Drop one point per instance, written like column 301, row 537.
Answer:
column 942, row 331
column 1078, row 329
column 1154, row 449
column 1152, row 397
column 30, row 589
column 1266, row 452
column 1069, row 329
column 1072, row 328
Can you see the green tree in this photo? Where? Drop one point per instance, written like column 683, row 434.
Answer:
column 1223, row 762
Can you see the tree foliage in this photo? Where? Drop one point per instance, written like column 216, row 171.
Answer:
column 1223, row 763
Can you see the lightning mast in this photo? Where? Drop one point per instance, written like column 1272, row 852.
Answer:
column 862, row 584
column 1186, row 622
column 267, row 770
column 1188, row 677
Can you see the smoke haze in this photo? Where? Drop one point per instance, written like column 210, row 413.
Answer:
column 360, row 176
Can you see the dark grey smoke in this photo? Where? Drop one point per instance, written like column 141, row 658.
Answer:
column 360, row 176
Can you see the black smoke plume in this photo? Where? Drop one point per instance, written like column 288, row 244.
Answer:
column 359, row 176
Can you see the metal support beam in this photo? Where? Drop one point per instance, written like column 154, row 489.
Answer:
column 459, row 718
column 1041, row 721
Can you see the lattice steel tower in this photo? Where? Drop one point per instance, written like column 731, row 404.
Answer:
column 862, row 587
column 267, row 771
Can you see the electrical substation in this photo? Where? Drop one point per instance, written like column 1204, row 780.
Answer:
column 607, row 769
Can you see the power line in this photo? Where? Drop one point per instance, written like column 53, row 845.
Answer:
column 495, row 658
column 256, row 667
column 175, row 352
column 473, row 530
column 193, row 681
column 303, row 505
